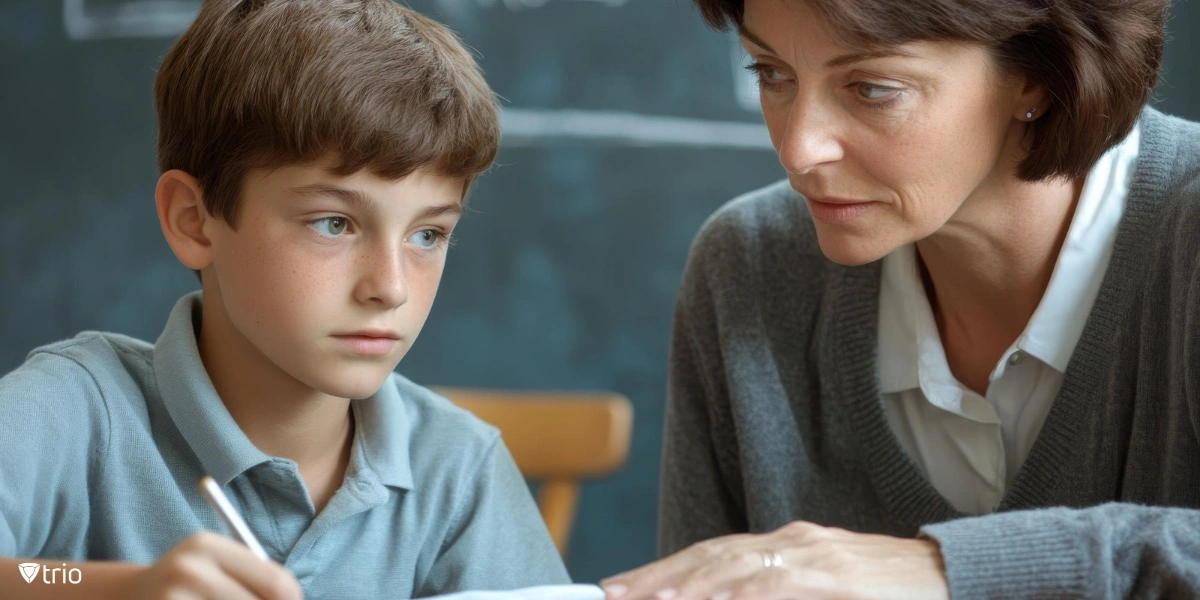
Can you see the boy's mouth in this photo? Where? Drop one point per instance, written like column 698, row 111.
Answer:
column 371, row 333
column 371, row 342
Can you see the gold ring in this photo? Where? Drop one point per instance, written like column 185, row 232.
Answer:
column 771, row 558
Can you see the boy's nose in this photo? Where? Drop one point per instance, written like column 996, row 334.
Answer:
column 386, row 280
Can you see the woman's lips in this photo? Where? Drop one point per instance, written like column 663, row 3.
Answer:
column 837, row 211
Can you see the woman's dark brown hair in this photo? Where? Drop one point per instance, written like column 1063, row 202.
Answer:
column 1097, row 59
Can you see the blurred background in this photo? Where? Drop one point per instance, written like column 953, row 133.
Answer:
column 627, row 123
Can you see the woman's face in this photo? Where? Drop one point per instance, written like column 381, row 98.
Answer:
column 886, row 147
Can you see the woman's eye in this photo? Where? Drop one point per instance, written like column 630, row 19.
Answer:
column 772, row 74
column 330, row 226
column 427, row 238
column 766, row 74
column 876, row 92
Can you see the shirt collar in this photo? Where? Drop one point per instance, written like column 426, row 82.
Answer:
column 911, row 355
column 382, row 428
column 192, row 402
column 900, row 307
column 1057, row 323
column 381, row 421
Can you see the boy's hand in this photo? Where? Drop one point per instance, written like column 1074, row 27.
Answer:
column 213, row 567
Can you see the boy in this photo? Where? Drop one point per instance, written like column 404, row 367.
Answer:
column 315, row 155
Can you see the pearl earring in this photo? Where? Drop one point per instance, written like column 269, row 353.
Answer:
column 1029, row 115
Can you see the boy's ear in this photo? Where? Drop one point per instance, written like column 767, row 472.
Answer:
column 182, row 215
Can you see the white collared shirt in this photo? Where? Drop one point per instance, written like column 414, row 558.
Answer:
column 970, row 446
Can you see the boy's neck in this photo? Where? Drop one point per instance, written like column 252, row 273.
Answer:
column 281, row 416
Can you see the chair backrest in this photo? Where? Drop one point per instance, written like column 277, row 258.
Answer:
column 556, row 438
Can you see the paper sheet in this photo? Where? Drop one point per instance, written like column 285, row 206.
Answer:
column 543, row 592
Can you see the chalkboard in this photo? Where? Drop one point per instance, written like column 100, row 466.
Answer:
column 627, row 122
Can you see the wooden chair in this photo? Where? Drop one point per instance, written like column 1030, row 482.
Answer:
column 556, row 438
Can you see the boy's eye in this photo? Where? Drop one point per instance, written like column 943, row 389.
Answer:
column 427, row 238
column 330, row 226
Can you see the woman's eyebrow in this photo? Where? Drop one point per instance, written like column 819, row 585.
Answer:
column 835, row 62
column 853, row 57
column 742, row 31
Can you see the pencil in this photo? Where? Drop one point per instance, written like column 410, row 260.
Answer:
column 216, row 498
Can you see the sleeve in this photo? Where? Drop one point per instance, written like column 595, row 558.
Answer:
column 1114, row 550
column 1107, row 551
column 498, row 541
column 51, row 432
column 697, row 498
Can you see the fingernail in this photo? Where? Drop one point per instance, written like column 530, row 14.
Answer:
column 722, row 596
column 616, row 590
column 666, row 594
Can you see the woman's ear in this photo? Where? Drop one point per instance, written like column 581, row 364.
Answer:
column 182, row 215
column 1032, row 101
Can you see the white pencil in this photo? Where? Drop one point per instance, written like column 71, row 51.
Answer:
column 216, row 498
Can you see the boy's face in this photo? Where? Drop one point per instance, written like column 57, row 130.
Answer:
column 331, row 278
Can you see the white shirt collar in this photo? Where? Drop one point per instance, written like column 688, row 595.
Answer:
column 1057, row 323
column 903, row 307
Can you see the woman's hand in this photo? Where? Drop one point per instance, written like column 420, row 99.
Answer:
column 797, row 561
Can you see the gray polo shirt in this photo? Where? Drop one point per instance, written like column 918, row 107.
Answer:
column 103, row 439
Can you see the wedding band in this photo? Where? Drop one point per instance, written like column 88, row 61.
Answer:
column 771, row 558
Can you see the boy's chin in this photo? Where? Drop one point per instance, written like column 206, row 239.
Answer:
column 351, row 382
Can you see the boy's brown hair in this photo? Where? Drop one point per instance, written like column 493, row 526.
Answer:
column 266, row 83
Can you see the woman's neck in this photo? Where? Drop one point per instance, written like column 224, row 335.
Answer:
column 987, row 269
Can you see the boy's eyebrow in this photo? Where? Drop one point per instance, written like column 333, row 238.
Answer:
column 441, row 209
column 835, row 62
column 355, row 198
column 362, row 201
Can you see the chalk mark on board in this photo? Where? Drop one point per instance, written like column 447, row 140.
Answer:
column 536, row 127
column 93, row 19
column 86, row 20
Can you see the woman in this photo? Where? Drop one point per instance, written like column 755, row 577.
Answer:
column 956, row 352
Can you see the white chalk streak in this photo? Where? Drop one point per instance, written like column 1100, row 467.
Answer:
column 134, row 19
column 86, row 20
column 534, row 127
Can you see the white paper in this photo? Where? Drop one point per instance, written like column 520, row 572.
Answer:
column 542, row 592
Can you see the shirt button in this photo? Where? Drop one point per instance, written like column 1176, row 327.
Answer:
column 1016, row 358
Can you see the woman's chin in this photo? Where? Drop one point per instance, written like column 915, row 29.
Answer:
column 850, row 250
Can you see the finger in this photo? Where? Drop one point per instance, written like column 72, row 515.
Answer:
column 778, row 583
column 266, row 579
column 656, row 580
column 189, row 574
column 644, row 581
column 213, row 583
column 741, row 559
column 720, row 574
